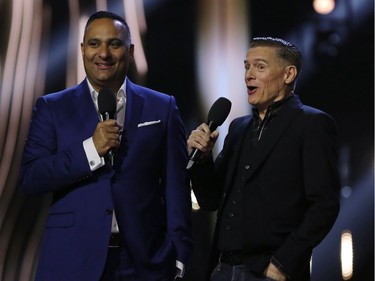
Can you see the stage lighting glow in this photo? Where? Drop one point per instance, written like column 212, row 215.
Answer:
column 135, row 16
column 346, row 191
column 81, row 74
column 222, row 44
column 324, row 7
column 346, row 255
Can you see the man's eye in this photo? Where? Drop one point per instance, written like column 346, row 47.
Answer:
column 115, row 44
column 93, row 44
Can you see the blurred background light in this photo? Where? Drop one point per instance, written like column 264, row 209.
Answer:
column 134, row 14
column 346, row 255
column 324, row 7
column 346, row 191
column 194, row 50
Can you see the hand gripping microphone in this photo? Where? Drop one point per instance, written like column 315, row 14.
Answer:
column 217, row 114
column 107, row 108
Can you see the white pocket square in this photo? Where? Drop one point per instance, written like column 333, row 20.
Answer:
column 148, row 123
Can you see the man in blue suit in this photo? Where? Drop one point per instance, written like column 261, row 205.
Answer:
column 125, row 221
column 275, row 183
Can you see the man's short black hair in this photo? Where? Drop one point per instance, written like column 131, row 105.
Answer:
column 105, row 15
column 109, row 15
column 285, row 49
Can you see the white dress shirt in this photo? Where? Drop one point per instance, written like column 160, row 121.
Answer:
column 95, row 161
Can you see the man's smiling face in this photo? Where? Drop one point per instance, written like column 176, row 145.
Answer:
column 106, row 53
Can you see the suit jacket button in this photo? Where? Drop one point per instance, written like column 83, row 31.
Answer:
column 108, row 211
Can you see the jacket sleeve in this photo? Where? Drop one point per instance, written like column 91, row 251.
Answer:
column 321, row 186
column 178, row 199
column 44, row 166
column 208, row 176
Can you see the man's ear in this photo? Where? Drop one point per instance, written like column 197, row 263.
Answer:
column 131, row 53
column 290, row 74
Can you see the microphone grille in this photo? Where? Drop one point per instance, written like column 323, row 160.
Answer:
column 106, row 101
column 219, row 111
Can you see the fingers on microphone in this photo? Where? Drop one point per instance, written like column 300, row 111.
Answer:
column 214, row 135
column 202, row 144
column 115, row 137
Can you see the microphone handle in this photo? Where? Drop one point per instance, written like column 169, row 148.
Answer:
column 212, row 126
column 196, row 153
column 110, row 155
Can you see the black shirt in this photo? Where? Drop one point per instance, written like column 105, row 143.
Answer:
column 230, row 233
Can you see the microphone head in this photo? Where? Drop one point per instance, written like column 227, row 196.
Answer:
column 107, row 102
column 219, row 111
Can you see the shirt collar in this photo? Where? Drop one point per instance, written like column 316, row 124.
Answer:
column 94, row 94
column 274, row 107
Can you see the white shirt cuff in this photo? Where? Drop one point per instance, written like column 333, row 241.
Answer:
column 180, row 272
column 93, row 158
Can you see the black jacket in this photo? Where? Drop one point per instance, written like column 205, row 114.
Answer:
column 291, row 192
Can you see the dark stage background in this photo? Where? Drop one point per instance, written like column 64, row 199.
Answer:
column 338, row 77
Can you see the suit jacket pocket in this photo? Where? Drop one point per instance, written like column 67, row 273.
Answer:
column 57, row 220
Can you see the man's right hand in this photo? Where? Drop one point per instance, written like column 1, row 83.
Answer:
column 203, row 139
column 106, row 136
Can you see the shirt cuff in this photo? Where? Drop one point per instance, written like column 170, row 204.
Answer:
column 93, row 158
column 180, row 272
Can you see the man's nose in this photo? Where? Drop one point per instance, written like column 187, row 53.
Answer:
column 249, row 74
column 104, row 51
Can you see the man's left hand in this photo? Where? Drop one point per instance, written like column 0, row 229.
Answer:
column 273, row 273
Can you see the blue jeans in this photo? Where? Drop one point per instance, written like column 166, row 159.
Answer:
column 225, row 272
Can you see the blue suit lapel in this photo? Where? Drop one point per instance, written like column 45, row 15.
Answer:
column 88, row 115
column 134, row 108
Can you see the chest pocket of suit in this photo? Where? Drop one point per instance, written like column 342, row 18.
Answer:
column 60, row 220
column 150, row 128
column 146, row 134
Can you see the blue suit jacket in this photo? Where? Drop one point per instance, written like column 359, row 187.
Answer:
column 148, row 186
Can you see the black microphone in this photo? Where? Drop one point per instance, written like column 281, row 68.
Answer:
column 107, row 108
column 217, row 114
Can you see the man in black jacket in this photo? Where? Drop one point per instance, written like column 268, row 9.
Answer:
column 275, row 183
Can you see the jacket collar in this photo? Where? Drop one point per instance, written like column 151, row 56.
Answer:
column 284, row 116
